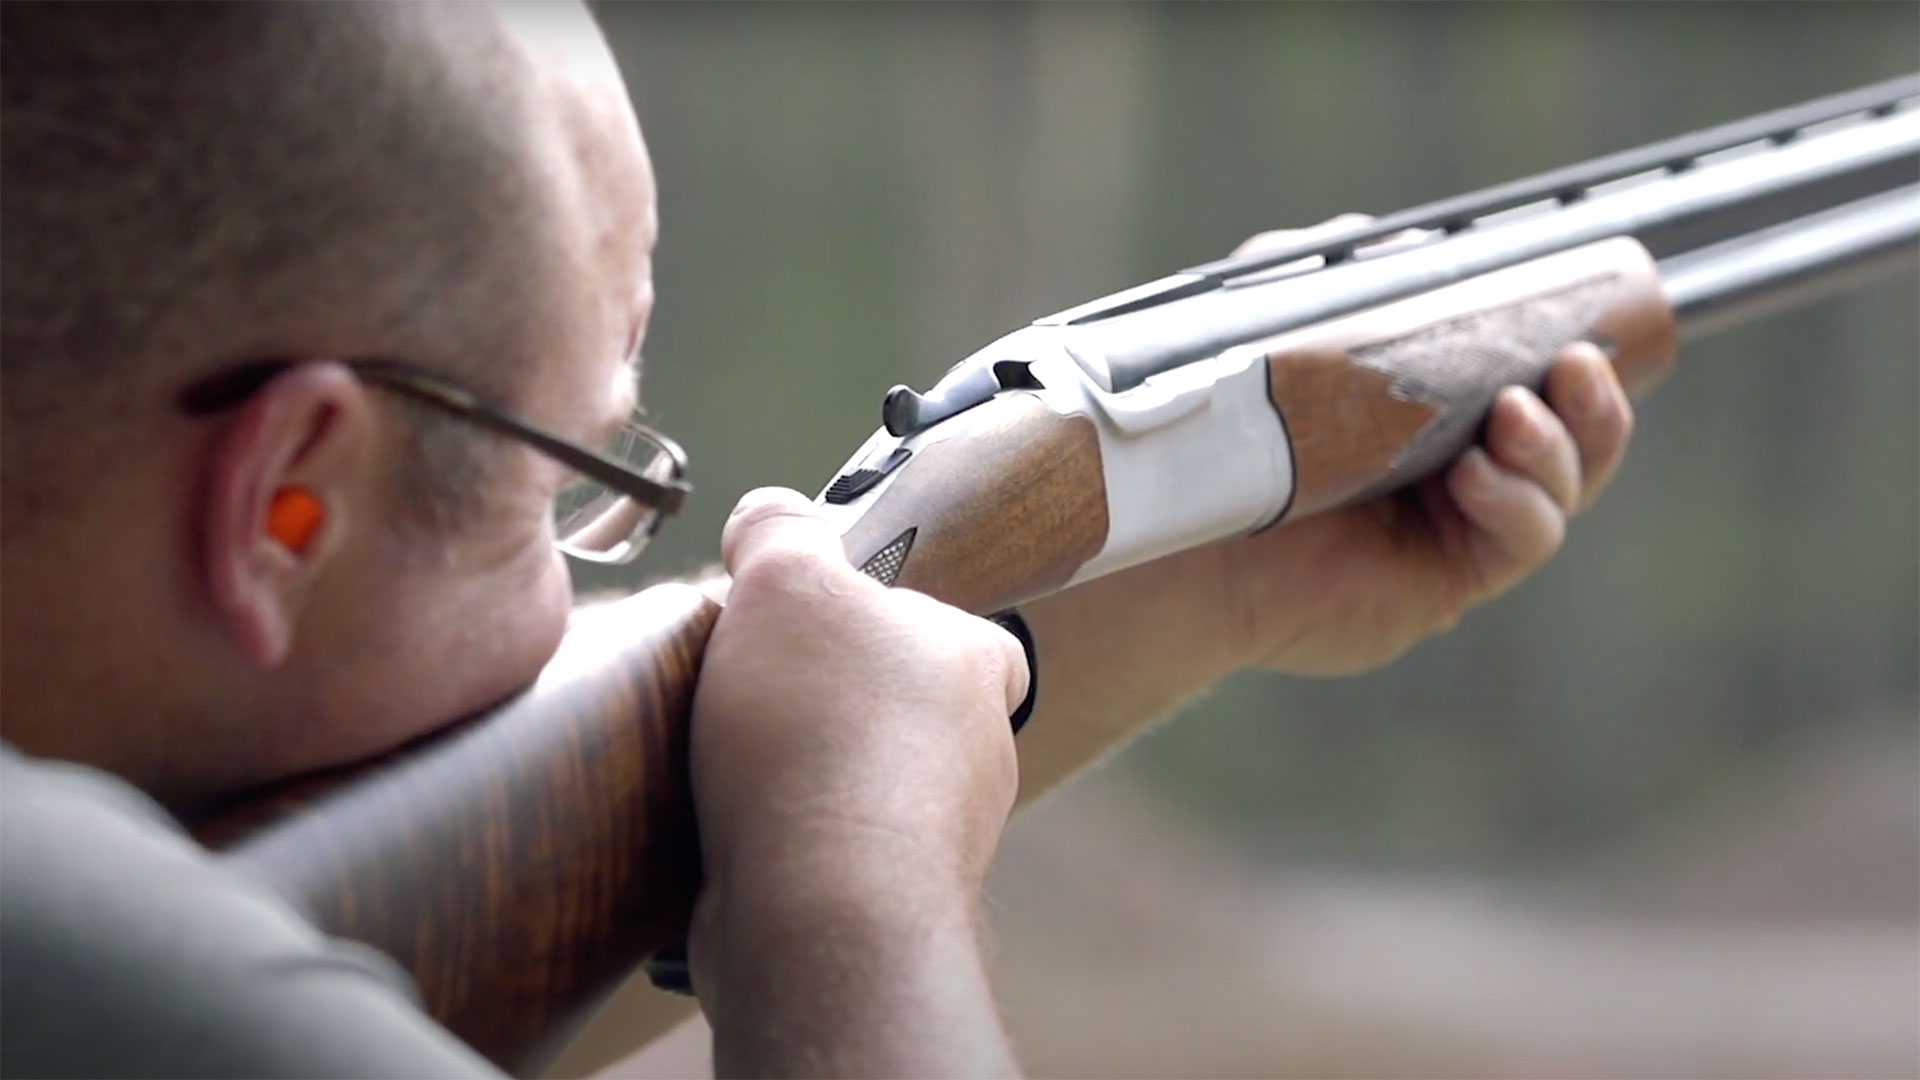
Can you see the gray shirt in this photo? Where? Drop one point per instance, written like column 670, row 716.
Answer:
column 127, row 950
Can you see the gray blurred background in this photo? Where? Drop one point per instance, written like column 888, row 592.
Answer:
column 1656, row 813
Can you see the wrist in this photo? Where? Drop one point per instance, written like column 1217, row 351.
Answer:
column 857, row 843
column 877, row 972
column 802, row 891
column 823, row 903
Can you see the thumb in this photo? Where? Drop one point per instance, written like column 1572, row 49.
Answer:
column 770, row 519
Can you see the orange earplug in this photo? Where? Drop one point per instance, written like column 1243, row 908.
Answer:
column 294, row 518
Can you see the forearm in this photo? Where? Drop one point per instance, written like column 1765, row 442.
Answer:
column 881, row 980
column 1121, row 652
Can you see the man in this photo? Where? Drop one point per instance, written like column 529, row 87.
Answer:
column 238, row 545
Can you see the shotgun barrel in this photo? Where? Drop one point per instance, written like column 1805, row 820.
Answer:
column 1671, row 197
column 1746, row 277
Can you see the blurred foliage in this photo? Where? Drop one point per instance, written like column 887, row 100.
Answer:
column 859, row 195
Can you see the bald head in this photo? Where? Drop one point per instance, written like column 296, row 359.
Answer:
column 188, row 186
column 193, row 188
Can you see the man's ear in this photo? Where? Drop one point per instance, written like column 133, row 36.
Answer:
column 283, row 479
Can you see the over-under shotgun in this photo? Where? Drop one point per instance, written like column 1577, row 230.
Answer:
column 525, row 861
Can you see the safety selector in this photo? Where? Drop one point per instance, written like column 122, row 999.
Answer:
column 856, row 482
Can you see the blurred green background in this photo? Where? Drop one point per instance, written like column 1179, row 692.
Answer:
column 858, row 195
column 854, row 196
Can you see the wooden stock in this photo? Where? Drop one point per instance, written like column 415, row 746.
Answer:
column 522, row 864
column 1378, row 399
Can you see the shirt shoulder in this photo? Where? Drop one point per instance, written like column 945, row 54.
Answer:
column 130, row 950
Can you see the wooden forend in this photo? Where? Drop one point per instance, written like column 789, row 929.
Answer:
column 1378, row 399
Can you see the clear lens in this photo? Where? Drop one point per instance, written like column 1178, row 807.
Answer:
column 594, row 522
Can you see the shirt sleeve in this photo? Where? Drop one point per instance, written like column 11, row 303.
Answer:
column 130, row 951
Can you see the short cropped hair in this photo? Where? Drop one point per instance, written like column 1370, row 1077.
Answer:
column 192, row 185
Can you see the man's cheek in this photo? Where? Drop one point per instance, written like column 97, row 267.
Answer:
column 440, row 652
column 550, row 605
column 510, row 637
